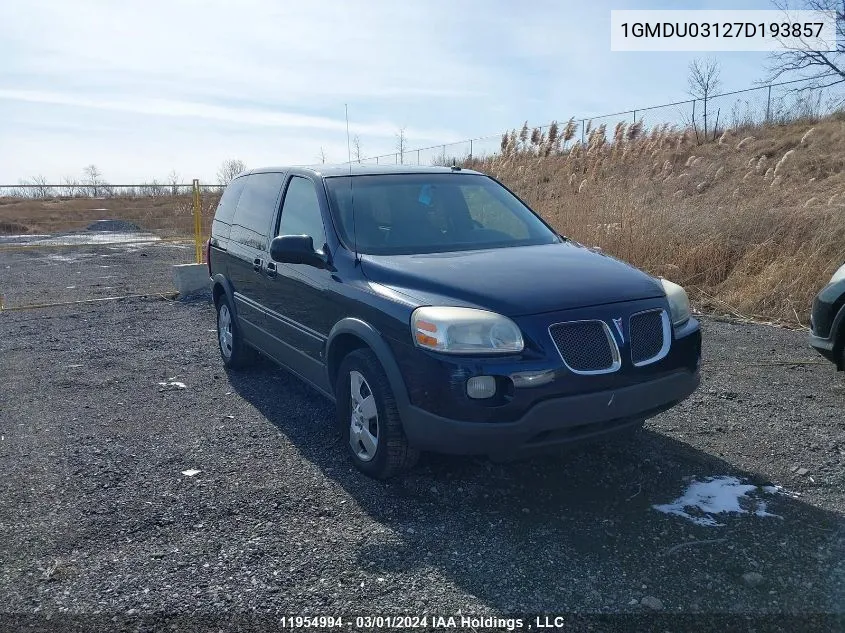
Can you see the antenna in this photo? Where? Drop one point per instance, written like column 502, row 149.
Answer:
column 351, row 190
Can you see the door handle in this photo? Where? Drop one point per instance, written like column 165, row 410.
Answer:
column 271, row 269
column 256, row 264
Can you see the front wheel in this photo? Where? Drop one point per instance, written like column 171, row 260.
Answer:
column 368, row 417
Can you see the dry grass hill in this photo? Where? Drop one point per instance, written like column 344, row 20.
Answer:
column 752, row 223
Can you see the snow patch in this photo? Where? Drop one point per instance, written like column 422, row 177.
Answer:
column 719, row 495
column 172, row 384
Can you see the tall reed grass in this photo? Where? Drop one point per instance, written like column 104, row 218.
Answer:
column 752, row 224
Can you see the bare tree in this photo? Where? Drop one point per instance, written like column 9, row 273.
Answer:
column 322, row 155
column 173, row 179
column 704, row 81
column 356, row 148
column 94, row 180
column 152, row 189
column 401, row 144
column 823, row 68
column 38, row 187
column 229, row 169
column 71, row 186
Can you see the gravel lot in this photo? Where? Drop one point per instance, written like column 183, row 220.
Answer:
column 97, row 519
column 89, row 271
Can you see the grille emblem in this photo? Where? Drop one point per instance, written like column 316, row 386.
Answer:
column 618, row 324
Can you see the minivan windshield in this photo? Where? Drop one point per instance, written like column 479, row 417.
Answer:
column 398, row 214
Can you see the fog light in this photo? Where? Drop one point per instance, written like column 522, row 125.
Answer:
column 481, row 387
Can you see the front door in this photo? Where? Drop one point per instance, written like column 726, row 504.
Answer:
column 296, row 293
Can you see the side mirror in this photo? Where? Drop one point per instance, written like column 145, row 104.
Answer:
column 296, row 249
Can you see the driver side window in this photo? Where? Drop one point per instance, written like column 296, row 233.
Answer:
column 301, row 212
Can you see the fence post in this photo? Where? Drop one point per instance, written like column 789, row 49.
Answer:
column 197, row 220
column 769, row 103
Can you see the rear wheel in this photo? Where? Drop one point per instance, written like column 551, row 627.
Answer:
column 235, row 352
column 368, row 418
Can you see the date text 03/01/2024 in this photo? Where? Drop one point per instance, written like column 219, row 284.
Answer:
column 490, row 623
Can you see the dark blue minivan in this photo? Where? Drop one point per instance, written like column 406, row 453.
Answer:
column 440, row 313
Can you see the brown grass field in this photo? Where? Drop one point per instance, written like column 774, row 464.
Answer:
column 166, row 215
column 752, row 224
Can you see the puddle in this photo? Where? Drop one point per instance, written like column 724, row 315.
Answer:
column 719, row 495
column 74, row 239
column 61, row 258
column 97, row 238
column 67, row 258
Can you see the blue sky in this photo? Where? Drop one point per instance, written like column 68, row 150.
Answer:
column 143, row 88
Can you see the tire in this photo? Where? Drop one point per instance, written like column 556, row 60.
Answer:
column 840, row 343
column 369, row 423
column 235, row 352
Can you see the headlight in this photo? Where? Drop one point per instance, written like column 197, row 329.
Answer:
column 464, row 331
column 678, row 302
column 839, row 275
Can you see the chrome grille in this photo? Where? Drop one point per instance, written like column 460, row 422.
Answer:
column 650, row 336
column 586, row 347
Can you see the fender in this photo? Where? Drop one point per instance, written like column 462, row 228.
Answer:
column 222, row 281
column 368, row 334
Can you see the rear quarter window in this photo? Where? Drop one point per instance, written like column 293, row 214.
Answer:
column 229, row 201
column 256, row 209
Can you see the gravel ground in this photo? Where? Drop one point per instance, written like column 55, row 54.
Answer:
column 88, row 271
column 97, row 519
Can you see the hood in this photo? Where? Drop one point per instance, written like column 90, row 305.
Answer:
column 513, row 281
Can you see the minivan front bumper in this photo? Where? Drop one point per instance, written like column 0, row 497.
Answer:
column 551, row 422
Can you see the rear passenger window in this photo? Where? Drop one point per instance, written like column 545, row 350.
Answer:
column 301, row 212
column 229, row 201
column 256, row 209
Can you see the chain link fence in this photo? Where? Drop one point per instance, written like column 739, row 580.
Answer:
column 71, row 243
column 772, row 103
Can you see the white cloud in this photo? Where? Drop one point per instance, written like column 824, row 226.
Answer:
column 143, row 87
column 243, row 115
